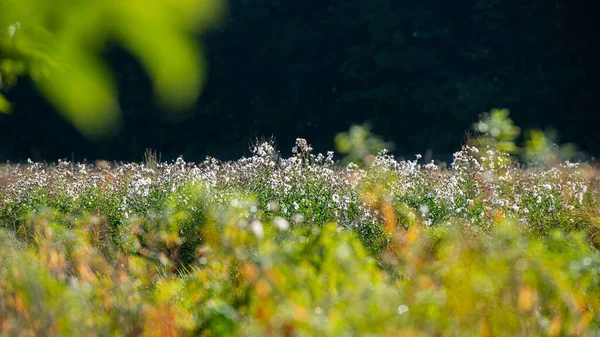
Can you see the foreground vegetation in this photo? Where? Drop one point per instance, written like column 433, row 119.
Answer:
column 299, row 246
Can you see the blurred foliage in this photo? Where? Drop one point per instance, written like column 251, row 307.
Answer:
column 541, row 148
column 496, row 130
column 67, row 276
column 360, row 145
column 59, row 45
column 498, row 284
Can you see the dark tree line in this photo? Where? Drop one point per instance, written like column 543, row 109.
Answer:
column 420, row 71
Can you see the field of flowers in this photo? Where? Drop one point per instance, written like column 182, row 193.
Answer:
column 301, row 246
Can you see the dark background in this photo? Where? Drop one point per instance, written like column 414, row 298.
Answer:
column 419, row 71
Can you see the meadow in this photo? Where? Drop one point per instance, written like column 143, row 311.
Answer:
column 301, row 245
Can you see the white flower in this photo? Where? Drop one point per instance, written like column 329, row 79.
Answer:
column 257, row 228
column 402, row 309
column 281, row 223
column 297, row 218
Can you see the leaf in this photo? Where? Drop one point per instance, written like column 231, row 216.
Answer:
column 4, row 105
column 83, row 92
column 64, row 58
column 198, row 14
column 175, row 66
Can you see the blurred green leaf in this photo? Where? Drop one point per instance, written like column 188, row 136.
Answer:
column 360, row 144
column 4, row 105
column 83, row 92
column 496, row 129
column 174, row 64
column 542, row 148
column 59, row 46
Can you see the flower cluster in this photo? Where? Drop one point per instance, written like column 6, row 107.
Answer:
column 478, row 186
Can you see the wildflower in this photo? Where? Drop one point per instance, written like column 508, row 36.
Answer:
column 298, row 218
column 257, row 228
column 281, row 223
column 402, row 309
